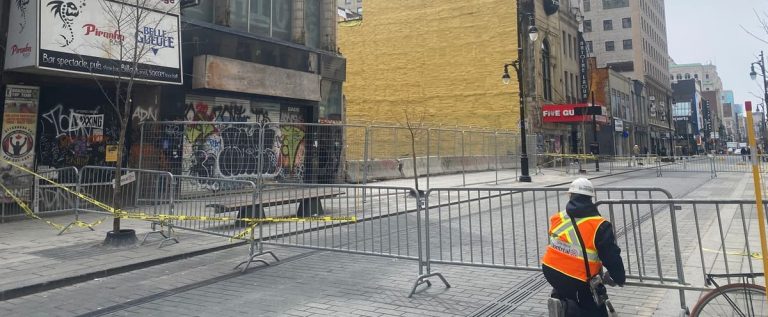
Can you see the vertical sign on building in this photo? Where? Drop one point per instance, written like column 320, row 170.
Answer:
column 17, row 141
column 583, row 68
column 21, row 46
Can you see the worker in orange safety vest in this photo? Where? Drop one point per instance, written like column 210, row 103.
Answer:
column 563, row 262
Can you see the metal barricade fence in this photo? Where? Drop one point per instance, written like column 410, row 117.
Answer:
column 317, row 153
column 142, row 191
column 692, row 164
column 507, row 228
column 212, row 149
column 225, row 200
column 50, row 198
column 388, row 220
column 321, row 153
column 40, row 196
column 718, row 236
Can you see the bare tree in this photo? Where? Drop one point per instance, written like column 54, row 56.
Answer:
column 415, row 127
column 127, row 53
column 762, row 19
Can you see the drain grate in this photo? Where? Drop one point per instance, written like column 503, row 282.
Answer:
column 78, row 251
column 509, row 301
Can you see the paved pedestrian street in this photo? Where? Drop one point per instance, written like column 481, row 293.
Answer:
column 70, row 275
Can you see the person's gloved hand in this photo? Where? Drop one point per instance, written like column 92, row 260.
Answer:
column 607, row 280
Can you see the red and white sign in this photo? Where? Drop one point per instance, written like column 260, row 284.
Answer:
column 570, row 113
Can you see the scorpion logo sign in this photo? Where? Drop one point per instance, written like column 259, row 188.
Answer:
column 22, row 5
column 67, row 12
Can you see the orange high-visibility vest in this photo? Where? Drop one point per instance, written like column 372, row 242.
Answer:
column 564, row 252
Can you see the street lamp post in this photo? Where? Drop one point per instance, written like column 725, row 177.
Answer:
column 533, row 34
column 753, row 75
column 596, row 146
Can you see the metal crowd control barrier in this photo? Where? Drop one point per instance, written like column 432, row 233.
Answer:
column 322, row 153
column 691, row 164
column 388, row 220
column 507, row 228
column 144, row 191
column 720, row 237
column 216, row 197
column 41, row 196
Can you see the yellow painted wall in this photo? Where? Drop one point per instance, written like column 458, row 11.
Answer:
column 442, row 58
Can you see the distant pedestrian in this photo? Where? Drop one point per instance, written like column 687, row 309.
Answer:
column 743, row 154
column 635, row 155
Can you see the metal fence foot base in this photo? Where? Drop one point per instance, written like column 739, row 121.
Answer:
column 423, row 279
column 166, row 238
column 70, row 225
column 252, row 258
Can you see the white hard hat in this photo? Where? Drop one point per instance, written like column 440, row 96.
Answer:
column 582, row 186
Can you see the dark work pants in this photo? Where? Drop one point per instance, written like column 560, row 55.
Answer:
column 567, row 287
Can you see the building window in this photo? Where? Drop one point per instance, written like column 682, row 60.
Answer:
column 609, row 46
column 546, row 71
column 696, row 76
column 607, row 25
column 627, row 44
column 679, row 77
column 687, row 76
column 312, row 17
column 706, row 76
column 587, row 26
column 201, row 12
column 587, row 6
column 590, row 49
column 613, row 4
column 626, row 23
column 570, row 46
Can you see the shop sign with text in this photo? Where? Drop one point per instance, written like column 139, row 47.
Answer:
column 572, row 113
column 84, row 37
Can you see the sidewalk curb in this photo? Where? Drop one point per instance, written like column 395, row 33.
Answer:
column 84, row 277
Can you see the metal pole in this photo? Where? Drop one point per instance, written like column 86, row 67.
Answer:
column 765, row 100
column 594, row 134
column 757, row 183
column 525, row 177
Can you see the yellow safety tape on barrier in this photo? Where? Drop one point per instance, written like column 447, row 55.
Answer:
column 754, row 255
column 577, row 156
column 162, row 218
column 27, row 210
column 55, row 184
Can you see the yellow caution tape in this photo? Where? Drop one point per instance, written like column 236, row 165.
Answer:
column 161, row 218
column 28, row 211
column 576, row 156
column 754, row 255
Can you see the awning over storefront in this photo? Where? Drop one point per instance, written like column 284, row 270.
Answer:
column 574, row 113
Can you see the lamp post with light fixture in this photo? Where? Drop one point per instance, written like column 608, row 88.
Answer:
column 533, row 34
column 753, row 75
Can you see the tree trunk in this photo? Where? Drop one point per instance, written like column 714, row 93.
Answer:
column 117, row 199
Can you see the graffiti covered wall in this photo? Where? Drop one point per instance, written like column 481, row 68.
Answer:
column 230, row 147
column 74, row 129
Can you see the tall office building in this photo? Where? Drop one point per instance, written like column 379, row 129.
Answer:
column 631, row 37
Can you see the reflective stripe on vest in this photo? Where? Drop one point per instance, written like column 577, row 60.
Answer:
column 564, row 252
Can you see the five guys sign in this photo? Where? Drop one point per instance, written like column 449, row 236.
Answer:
column 572, row 113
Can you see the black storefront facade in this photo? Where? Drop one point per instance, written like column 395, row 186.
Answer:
column 226, row 75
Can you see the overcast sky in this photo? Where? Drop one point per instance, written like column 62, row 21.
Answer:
column 704, row 31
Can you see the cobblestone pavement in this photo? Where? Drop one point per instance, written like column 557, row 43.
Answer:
column 78, row 252
column 321, row 283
